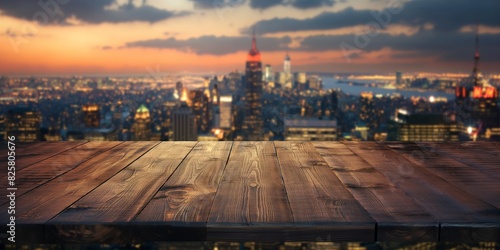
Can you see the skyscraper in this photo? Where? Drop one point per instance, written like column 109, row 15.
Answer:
column 24, row 124
column 268, row 76
column 142, row 124
column 287, row 70
column 253, row 94
column 287, row 64
column 476, row 103
column 399, row 79
column 226, row 110
column 91, row 115
column 183, row 124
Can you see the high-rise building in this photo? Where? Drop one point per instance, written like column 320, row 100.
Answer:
column 253, row 95
column 310, row 129
column 288, row 81
column 399, row 78
column 91, row 115
column 142, row 124
column 24, row 124
column 166, row 125
column 287, row 64
column 314, row 82
column 367, row 113
column 301, row 78
column 179, row 89
column 268, row 75
column 183, row 124
column 425, row 127
column 199, row 101
column 477, row 104
column 226, row 111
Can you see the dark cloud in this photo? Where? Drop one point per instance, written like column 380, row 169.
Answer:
column 208, row 4
column 445, row 15
column 307, row 4
column 262, row 4
column 301, row 4
column 444, row 46
column 58, row 11
column 214, row 45
column 324, row 21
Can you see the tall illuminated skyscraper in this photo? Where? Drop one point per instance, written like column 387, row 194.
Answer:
column 287, row 65
column 268, row 76
column 142, row 124
column 253, row 123
column 287, row 70
column 226, row 111
column 477, row 104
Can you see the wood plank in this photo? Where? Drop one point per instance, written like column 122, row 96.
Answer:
column 48, row 169
column 476, row 157
column 458, row 174
column 118, row 200
column 251, row 202
column 398, row 217
column 441, row 199
column 28, row 154
column 184, row 201
column 317, row 197
column 36, row 207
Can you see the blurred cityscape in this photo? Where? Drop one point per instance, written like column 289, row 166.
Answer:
column 261, row 103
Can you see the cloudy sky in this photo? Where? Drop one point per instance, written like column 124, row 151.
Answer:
column 119, row 36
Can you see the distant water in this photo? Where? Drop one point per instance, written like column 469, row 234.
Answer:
column 332, row 83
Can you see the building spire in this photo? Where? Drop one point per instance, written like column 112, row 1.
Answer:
column 254, row 41
column 254, row 54
column 476, row 57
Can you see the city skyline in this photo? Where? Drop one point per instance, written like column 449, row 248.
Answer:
column 134, row 37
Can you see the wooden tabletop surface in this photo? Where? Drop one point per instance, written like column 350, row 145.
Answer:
column 126, row 192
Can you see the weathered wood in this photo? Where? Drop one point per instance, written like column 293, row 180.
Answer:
column 132, row 192
column 317, row 196
column 461, row 176
column 48, row 169
column 122, row 197
column 186, row 198
column 251, row 200
column 398, row 217
column 444, row 201
column 28, row 154
column 479, row 158
column 36, row 206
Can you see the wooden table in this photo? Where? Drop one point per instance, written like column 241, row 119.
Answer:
column 126, row 192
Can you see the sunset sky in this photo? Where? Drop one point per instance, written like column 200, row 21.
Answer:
column 64, row 37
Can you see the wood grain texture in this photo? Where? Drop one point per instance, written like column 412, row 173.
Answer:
column 30, row 153
column 132, row 192
column 186, row 198
column 316, row 195
column 48, row 169
column 398, row 217
column 458, row 174
column 37, row 207
column 443, row 200
column 479, row 158
column 251, row 200
column 124, row 195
